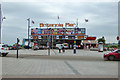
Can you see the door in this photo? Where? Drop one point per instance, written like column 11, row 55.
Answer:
column 119, row 54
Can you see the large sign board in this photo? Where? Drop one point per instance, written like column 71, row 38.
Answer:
column 59, row 31
column 58, row 25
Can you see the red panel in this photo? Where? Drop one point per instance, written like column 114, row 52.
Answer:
column 71, row 41
column 91, row 38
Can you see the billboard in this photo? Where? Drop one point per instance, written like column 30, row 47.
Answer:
column 59, row 31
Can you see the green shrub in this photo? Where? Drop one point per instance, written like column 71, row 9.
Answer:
column 114, row 46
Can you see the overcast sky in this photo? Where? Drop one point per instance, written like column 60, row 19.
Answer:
column 102, row 16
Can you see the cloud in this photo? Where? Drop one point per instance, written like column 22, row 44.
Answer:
column 103, row 17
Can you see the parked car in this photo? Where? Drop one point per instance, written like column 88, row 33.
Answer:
column 10, row 48
column 3, row 50
column 96, row 49
column 114, row 55
column 26, row 47
column 64, row 44
column 93, row 49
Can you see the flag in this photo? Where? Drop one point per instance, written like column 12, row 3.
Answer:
column 86, row 20
column 33, row 22
column 58, row 17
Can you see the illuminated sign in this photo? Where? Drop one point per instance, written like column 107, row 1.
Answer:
column 57, row 25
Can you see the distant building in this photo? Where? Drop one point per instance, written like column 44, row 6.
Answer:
column 59, row 35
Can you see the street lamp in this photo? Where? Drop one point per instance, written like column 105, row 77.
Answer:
column 48, row 42
column 28, row 30
column 74, row 41
column 75, row 36
column 0, row 27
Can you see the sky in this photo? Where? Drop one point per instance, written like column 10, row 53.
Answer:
column 102, row 17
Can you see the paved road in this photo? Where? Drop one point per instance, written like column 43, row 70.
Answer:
column 38, row 63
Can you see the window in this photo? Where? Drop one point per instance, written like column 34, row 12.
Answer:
column 118, row 51
column 3, row 45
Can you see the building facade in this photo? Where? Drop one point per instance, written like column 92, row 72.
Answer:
column 53, row 34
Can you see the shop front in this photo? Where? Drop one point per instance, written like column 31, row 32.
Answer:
column 87, row 44
column 58, row 36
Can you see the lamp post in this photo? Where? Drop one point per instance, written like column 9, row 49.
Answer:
column 74, row 41
column 1, row 20
column 75, row 37
column 0, row 23
column 48, row 42
column 28, row 30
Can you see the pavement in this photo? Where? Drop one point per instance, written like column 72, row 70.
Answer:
column 38, row 63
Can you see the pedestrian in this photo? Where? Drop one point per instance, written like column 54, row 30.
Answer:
column 87, row 46
column 115, row 48
column 60, row 47
column 112, row 49
column 108, row 48
column 63, row 49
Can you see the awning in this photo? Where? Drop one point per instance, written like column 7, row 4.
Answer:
column 89, row 42
column 91, row 38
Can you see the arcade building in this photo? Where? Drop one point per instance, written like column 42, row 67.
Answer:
column 54, row 34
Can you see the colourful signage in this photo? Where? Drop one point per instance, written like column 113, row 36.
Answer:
column 60, row 31
column 57, row 25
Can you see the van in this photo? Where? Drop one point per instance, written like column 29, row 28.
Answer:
column 64, row 44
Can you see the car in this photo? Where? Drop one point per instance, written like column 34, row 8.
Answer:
column 114, row 55
column 64, row 44
column 93, row 49
column 96, row 49
column 3, row 50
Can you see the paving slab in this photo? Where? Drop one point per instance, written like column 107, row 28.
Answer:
column 38, row 63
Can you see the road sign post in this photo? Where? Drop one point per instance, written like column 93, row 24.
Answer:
column 17, row 46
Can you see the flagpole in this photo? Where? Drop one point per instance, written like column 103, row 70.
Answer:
column 28, row 30
column 1, row 21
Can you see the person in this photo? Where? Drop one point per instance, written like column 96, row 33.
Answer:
column 114, row 48
column 60, row 47
column 87, row 46
column 108, row 48
column 63, row 49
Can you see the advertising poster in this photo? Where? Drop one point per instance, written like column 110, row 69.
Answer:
column 63, row 36
column 82, row 30
column 46, row 31
column 66, row 37
column 33, row 31
column 69, row 31
column 79, row 31
column 38, row 31
column 57, row 37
